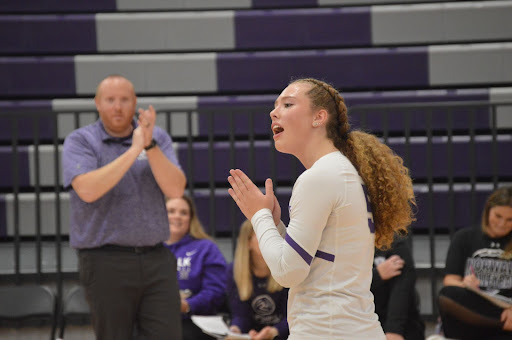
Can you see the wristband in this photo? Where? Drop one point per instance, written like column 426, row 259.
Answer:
column 151, row 145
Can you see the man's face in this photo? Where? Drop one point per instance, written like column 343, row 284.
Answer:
column 116, row 103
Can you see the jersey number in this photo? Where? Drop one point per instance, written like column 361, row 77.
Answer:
column 371, row 225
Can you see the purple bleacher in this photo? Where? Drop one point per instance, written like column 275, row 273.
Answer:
column 47, row 34
column 37, row 76
column 462, row 208
column 396, row 119
column 346, row 69
column 221, row 119
column 353, row 99
column 287, row 168
column 460, row 157
column 224, row 208
column 25, row 124
column 7, row 158
column 374, row 119
column 56, row 6
column 286, row 165
column 441, row 208
column 82, row 6
column 221, row 107
column 313, row 28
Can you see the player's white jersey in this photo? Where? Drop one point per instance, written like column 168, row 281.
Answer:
column 325, row 255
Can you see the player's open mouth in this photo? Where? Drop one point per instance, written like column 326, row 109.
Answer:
column 277, row 129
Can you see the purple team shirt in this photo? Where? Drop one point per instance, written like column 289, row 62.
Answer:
column 133, row 212
column 201, row 274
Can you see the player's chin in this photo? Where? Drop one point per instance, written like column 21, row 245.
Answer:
column 279, row 146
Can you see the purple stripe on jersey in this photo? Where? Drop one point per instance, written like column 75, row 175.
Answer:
column 304, row 254
column 325, row 256
column 371, row 225
column 367, row 198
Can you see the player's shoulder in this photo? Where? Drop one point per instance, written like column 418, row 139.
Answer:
column 326, row 169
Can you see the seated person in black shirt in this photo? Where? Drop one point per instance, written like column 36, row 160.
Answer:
column 396, row 300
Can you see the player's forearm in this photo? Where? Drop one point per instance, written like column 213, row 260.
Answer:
column 285, row 264
column 93, row 185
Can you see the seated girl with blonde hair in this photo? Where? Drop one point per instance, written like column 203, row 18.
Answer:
column 257, row 301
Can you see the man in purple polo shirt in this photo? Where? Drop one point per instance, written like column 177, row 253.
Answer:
column 118, row 172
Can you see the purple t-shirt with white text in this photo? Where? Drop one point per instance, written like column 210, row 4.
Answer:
column 201, row 274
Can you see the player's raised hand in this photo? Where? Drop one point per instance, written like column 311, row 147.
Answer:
column 248, row 196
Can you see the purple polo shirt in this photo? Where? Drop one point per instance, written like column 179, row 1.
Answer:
column 133, row 212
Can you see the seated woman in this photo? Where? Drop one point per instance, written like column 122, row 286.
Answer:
column 201, row 266
column 394, row 290
column 257, row 301
column 480, row 259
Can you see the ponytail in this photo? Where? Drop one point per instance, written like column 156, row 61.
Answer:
column 383, row 172
column 388, row 182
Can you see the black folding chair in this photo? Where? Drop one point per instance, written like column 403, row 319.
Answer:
column 28, row 306
column 75, row 309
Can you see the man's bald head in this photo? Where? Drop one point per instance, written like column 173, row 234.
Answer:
column 116, row 103
column 114, row 79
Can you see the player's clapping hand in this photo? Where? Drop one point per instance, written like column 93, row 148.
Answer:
column 276, row 212
column 248, row 196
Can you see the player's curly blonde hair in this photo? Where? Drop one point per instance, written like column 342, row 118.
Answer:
column 383, row 172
